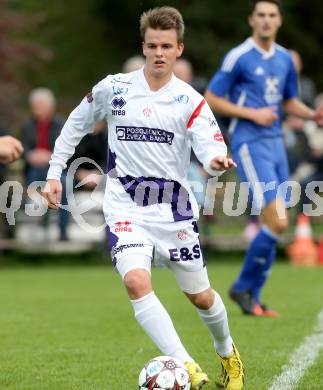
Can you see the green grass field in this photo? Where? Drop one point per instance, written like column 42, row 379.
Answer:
column 72, row 328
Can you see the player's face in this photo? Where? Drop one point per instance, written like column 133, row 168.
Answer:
column 265, row 21
column 161, row 50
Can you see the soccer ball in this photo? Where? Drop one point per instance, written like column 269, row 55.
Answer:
column 164, row 373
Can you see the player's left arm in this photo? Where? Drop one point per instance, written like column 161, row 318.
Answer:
column 295, row 107
column 207, row 140
column 292, row 104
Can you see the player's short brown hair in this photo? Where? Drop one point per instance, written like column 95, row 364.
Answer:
column 162, row 18
column 253, row 3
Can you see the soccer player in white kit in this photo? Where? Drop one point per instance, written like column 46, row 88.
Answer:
column 154, row 119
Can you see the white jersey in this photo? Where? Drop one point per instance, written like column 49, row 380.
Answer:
column 150, row 138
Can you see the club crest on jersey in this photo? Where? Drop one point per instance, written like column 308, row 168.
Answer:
column 123, row 227
column 272, row 93
column 119, row 90
column 181, row 99
column 182, row 235
column 147, row 111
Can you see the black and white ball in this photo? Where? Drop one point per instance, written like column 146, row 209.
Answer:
column 164, row 373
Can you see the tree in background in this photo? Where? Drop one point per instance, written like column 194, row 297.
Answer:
column 89, row 39
column 15, row 55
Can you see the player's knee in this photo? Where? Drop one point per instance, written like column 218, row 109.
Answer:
column 280, row 225
column 137, row 283
column 203, row 300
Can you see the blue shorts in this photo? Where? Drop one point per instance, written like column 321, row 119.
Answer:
column 264, row 161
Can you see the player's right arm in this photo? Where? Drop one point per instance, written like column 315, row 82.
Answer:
column 92, row 109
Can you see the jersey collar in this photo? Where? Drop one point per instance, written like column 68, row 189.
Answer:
column 265, row 54
column 143, row 80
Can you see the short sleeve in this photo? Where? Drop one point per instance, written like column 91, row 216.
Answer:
column 225, row 77
column 291, row 87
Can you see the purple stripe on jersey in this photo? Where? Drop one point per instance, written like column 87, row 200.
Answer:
column 195, row 227
column 146, row 191
column 111, row 161
column 112, row 242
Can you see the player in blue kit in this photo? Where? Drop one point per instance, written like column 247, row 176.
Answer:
column 256, row 82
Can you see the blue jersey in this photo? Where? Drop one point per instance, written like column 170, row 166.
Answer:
column 252, row 77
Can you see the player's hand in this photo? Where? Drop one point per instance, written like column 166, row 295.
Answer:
column 53, row 193
column 222, row 163
column 318, row 116
column 264, row 116
column 10, row 149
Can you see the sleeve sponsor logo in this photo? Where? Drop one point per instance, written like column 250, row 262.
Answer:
column 144, row 134
column 181, row 99
column 212, row 122
column 218, row 136
column 89, row 97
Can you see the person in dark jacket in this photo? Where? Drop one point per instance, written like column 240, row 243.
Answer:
column 39, row 134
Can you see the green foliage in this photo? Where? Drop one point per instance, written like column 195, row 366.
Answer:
column 89, row 39
column 73, row 328
column 16, row 54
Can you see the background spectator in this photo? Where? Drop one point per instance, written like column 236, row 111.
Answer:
column 133, row 63
column 39, row 134
column 315, row 155
column 306, row 86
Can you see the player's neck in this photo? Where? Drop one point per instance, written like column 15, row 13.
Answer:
column 265, row 44
column 156, row 83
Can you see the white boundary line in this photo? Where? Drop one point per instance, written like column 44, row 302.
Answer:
column 301, row 359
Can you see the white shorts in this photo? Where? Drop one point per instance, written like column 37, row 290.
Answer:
column 172, row 245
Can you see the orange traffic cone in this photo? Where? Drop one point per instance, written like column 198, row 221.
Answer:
column 303, row 251
column 320, row 257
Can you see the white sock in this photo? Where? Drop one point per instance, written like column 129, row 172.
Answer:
column 153, row 317
column 217, row 321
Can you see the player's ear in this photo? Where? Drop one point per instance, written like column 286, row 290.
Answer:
column 250, row 21
column 143, row 48
column 180, row 48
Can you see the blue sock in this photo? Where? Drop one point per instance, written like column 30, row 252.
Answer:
column 261, row 278
column 257, row 262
